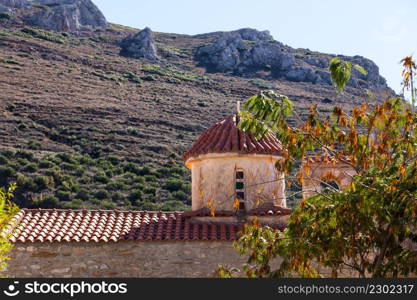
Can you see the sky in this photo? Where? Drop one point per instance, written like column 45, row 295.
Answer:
column 382, row 30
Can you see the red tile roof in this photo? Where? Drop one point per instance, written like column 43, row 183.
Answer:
column 224, row 136
column 64, row 225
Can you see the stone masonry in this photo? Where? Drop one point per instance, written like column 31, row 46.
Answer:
column 121, row 259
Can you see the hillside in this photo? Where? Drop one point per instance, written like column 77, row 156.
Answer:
column 82, row 126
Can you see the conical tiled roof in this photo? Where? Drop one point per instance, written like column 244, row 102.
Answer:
column 224, row 137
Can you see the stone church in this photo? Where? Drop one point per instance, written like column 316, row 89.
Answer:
column 234, row 179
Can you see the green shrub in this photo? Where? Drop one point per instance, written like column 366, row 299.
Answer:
column 172, row 205
column 118, row 171
column 84, row 180
column 150, row 191
column 79, row 172
column 73, row 205
column 129, row 175
column 138, row 186
column 150, row 178
column 56, row 160
column 131, row 168
column 179, row 195
column 104, row 164
column 135, row 195
column 95, row 201
column 144, row 205
column 63, row 195
column 101, row 177
column 25, row 183
column 44, row 35
column 5, row 16
column 145, row 171
column 115, row 186
column 7, row 172
column 24, row 154
column 45, row 164
column 174, row 184
column 109, row 173
column 68, row 166
column 8, row 153
column 108, row 205
column 22, row 161
column 34, row 145
column 14, row 165
column 187, row 188
column 75, row 188
column 114, row 160
column 102, row 194
column 117, row 196
column 43, row 182
column 83, row 194
column 177, row 170
column 65, row 157
column 22, row 127
column 260, row 83
column 138, row 179
column 132, row 130
column 3, row 160
column 132, row 77
column 48, row 201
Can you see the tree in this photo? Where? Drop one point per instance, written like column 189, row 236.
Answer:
column 366, row 228
column 7, row 211
column 408, row 76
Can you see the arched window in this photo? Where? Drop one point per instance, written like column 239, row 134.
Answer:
column 240, row 188
column 329, row 186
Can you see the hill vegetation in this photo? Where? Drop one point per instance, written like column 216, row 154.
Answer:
column 83, row 127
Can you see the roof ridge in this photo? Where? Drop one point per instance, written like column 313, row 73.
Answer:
column 222, row 138
column 95, row 210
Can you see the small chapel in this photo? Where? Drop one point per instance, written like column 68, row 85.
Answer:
column 234, row 180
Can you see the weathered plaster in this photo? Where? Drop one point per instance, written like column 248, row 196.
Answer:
column 213, row 178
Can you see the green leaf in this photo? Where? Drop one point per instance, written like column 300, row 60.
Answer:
column 360, row 69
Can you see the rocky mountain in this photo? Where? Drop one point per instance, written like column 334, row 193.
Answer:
column 98, row 116
column 247, row 51
column 58, row 15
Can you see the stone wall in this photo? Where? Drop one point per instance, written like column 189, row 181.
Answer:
column 127, row 259
column 122, row 259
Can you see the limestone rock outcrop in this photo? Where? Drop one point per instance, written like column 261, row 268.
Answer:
column 140, row 45
column 247, row 51
column 67, row 15
column 58, row 15
column 16, row 3
column 244, row 50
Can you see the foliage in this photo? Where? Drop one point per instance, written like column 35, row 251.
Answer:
column 340, row 72
column 43, row 35
column 5, row 16
column 80, row 181
column 366, row 228
column 7, row 211
column 263, row 244
column 173, row 73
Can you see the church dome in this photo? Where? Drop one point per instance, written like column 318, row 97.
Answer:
column 225, row 137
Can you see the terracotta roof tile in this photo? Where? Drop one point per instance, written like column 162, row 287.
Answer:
column 61, row 225
column 224, row 136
